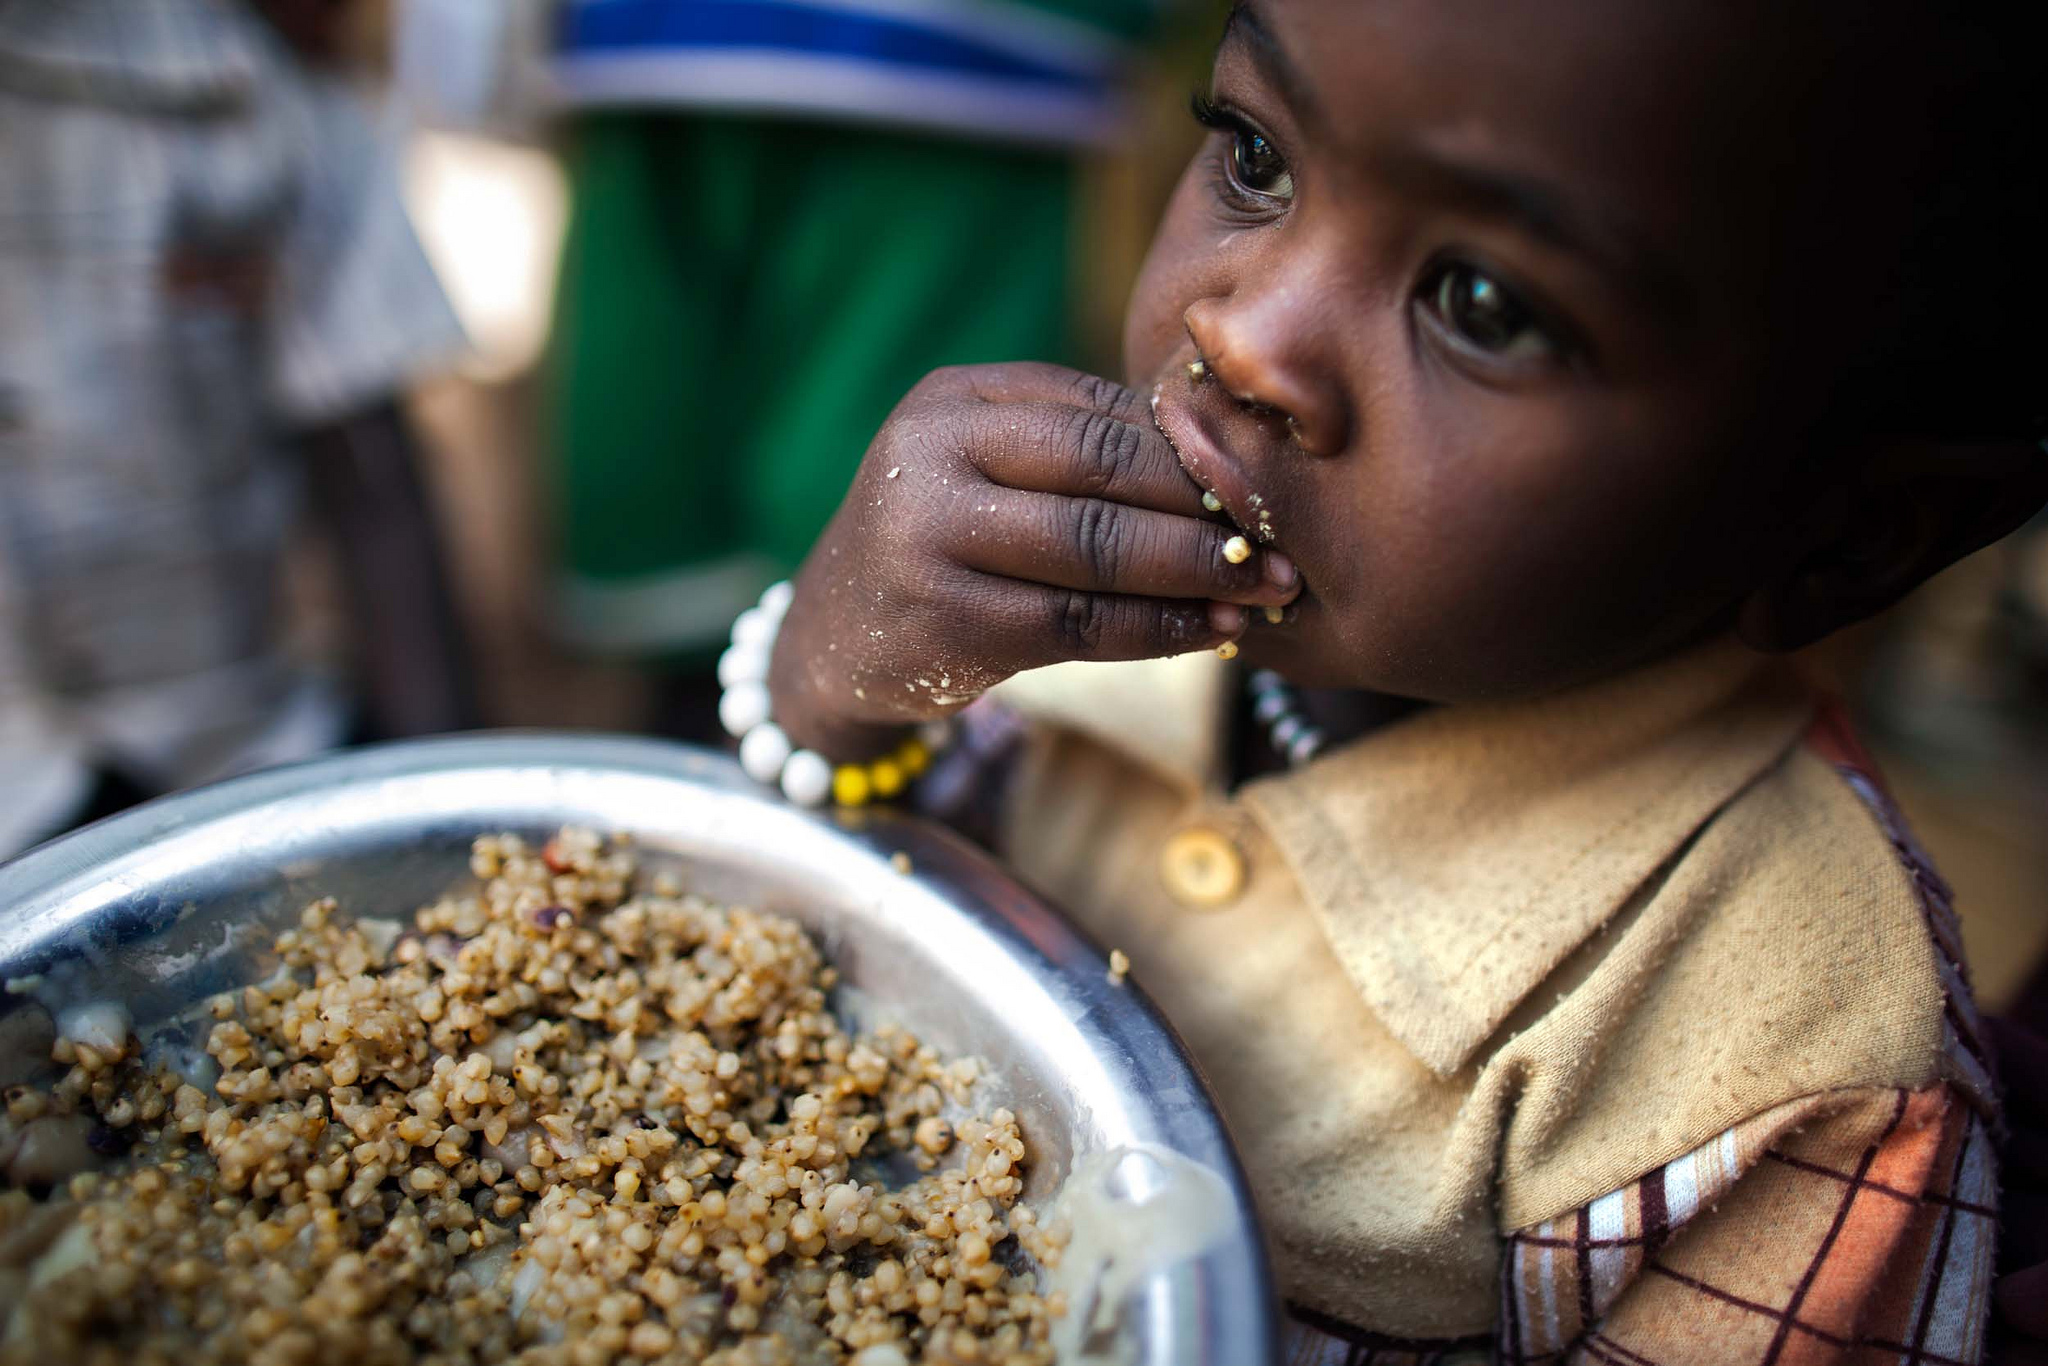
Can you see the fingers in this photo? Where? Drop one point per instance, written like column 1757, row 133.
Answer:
column 1055, row 523
column 1032, row 382
column 1043, row 625
column 1056, row 430
column 1098, row 546
column 1051, row 448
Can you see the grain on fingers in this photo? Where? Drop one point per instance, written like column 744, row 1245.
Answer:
column 1099, row 546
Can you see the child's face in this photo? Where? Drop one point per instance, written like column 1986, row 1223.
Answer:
column 1518, row 273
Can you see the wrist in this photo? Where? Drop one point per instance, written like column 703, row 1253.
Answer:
column 789, row 738
column 812, row 718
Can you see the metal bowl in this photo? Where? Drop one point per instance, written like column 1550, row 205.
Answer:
column 175, row 901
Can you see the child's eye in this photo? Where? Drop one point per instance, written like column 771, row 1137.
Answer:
column 1257, row 167
column 1253, row 168
column 1486, row 316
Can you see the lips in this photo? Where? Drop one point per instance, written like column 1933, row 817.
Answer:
column 1205, row 456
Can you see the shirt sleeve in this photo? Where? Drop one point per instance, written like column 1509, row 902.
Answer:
column 356, row 314
column 1852, row 1228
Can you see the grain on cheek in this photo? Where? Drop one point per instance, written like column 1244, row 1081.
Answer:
column 563, row 1118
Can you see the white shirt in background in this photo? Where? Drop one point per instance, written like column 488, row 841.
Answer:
column 202, row 250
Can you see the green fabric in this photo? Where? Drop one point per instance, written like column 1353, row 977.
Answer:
column 742, row 303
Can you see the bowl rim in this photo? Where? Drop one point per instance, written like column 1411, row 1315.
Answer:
column 97, row 864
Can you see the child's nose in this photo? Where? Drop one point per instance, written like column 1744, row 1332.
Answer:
column 1258, row 351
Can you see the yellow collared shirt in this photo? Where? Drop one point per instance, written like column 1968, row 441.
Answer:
column 1500, row 1001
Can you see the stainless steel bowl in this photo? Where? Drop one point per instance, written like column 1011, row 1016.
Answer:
column 170, row 903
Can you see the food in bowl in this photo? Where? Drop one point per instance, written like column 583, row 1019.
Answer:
column 564, row 1118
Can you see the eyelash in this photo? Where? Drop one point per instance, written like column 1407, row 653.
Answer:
column 1223, row 119
column 1210, row 114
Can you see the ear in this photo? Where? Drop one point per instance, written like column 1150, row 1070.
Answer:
column 1895, row 517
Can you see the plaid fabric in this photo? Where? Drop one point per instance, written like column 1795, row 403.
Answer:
column 202, row 248
column 1849, row 1229
column 1861, row 1236
column 1865, row 1237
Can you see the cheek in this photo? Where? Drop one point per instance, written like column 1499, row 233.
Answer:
column 1177, row 272
column 1508, row 557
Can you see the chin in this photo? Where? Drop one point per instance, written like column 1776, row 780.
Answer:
column 1288, row 652
column 1292, row 653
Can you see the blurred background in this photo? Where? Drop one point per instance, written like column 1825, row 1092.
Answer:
column 379, row 367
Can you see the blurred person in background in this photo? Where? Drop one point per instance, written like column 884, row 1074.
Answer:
column 782, row 214
column 210, row 299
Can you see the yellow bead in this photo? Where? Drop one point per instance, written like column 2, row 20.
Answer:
column 850, row 785
column 887, row 777
column 914, row 757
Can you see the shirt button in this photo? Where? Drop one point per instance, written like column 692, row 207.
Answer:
column 1201, row 867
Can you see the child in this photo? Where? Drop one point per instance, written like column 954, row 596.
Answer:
column 1557, row 365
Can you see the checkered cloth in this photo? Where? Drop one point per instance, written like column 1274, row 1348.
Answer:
column 1863, row 1237
column 201, row 249
column 1853, row 1227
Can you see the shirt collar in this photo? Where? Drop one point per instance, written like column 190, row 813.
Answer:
column 1166, row 715
column 1456, row 858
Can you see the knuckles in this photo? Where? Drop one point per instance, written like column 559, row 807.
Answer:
column 1093, row 391
column 906, row 545
column 1104, row 449
column 1099, row 533
column 1079, row 622
column 1095, row 626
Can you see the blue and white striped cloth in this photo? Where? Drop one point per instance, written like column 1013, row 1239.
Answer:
column 990, row 68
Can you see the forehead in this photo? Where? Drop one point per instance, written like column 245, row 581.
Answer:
column 1605, row 66
column 1657, row 109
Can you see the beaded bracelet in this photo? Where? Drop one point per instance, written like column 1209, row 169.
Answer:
column 805, row 776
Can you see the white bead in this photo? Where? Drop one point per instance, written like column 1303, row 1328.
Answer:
column 1285, row 729
column 743, row 664
column 775, row 602
column 754, row 627
column 743, row 707
column 807, row 778
column 763, row 752
column 1306, row 746
column 936, row 735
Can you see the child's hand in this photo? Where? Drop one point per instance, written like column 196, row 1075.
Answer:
column 1006, row 516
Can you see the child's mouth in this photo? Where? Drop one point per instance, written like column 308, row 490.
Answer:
column 1225, row 487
